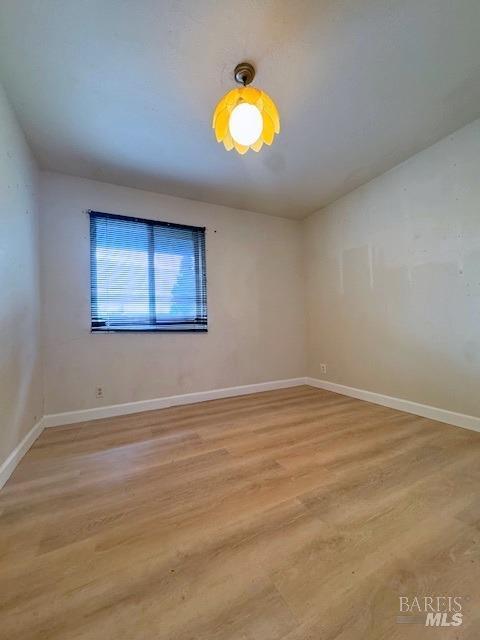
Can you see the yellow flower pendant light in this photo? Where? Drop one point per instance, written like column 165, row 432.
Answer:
column 245, row 118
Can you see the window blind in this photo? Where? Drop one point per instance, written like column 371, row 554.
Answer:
column 146, row 275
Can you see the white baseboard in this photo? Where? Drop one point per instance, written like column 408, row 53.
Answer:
column 71, row 417
column 424, row 410
column 8, row 466
column 110, row 411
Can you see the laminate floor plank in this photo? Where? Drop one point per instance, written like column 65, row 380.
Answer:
column 296, row 514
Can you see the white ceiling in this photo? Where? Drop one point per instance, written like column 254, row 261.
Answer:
column 123, row 90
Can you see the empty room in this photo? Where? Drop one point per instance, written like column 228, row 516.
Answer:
column 240, row 320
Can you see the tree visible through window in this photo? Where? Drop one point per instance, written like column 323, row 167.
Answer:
column 146, row 275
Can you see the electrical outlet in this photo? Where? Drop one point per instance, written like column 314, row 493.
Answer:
column 323, row 368
column 99, row 392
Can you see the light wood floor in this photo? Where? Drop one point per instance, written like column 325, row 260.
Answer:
column 296, row 514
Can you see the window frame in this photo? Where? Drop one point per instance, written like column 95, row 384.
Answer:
column 183, row 326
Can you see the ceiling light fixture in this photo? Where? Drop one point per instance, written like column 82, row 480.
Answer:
column 245, row 118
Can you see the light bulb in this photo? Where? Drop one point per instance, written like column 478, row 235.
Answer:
column 245, row 124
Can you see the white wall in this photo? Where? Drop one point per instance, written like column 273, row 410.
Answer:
column 255, row 302
column 21, row 401
column 392, row 287
column 393, row 280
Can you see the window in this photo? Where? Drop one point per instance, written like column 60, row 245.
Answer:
column 146, row 275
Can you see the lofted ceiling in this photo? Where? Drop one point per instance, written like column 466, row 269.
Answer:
column 123, row 90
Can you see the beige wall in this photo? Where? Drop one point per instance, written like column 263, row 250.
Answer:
column 21, row 402
column 255, row 302
column 393, row 280
column 392, row 287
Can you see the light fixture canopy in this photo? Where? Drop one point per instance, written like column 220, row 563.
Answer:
column 245, row 118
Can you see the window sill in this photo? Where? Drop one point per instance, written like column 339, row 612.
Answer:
column 173, row 329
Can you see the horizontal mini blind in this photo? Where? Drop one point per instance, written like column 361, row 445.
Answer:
column 146, row 275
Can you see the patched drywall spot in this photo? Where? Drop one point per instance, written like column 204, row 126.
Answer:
column 356, row 271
